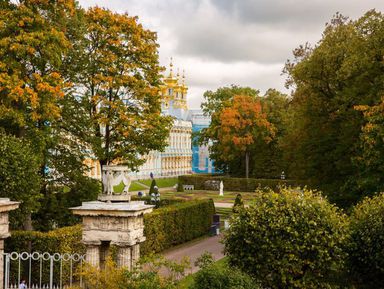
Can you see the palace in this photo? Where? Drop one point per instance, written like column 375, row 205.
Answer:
column 179, row 155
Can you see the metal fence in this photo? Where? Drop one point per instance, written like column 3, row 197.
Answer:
column 42, row 270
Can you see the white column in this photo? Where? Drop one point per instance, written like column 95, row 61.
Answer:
column 93, row 255
column 135, row 254
column 124, row 257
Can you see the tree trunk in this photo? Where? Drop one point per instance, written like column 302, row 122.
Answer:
column 247, row 164
column 28, row 223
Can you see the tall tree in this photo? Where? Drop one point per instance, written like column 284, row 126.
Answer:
column 267, row 160
column 214, row 102
column 32, row 47
column 119, row 79
column 343, row 70
column 370, row 159
column 242, row 126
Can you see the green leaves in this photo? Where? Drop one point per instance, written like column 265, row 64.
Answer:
column 344, row 70
column 19, row 180
column 290, row 239
column 366, row 246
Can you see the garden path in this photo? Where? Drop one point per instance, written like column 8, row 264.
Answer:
column 195, row 249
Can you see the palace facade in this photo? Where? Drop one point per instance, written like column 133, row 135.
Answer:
column 179, row 157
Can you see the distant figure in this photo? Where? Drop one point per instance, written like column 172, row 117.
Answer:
column 23, row 285
column 151, row 175
column 221, row 189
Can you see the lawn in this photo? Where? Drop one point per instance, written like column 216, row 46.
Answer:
column 161, row 183
column 135, row 186
column 229, row 197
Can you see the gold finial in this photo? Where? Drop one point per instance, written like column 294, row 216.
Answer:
column 183, row 77
column 178, row 74
column 171, row 70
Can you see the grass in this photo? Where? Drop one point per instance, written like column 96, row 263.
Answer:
column 224, row 213
column 188, row 280
column 161, row 183
column 229, row 197
column 135, row 186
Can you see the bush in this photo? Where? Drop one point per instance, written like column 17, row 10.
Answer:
column 366, row 246
column 152, row 189
column 176, row 224
column 224, row 277
column 113, row 277
column 238, row 204
column 208, row 182
column 290, row 239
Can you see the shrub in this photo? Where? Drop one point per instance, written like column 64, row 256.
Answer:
column 224, row 277
column 366, row 246
column 238, row 204
column 177, row 224
column 290, row 239
column 204, row 182
column 152, row 187
column 112, row 277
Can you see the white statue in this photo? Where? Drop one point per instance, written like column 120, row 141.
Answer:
column 221, row 189
column 113, row 176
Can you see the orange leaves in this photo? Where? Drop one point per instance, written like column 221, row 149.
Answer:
column 242, row 123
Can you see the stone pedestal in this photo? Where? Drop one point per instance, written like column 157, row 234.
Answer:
column 5, row 206
column 120, row 224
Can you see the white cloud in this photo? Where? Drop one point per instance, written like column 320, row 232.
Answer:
column 244, row 42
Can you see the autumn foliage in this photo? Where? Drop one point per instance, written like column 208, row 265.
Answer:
column 243, row 124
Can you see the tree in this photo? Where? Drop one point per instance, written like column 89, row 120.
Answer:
column 119, row 77
column 344, row 70
column 242, row 126
column 32, row 88
column 214, row 102
column 267, row 160
column 18, row 178
column 370, row 160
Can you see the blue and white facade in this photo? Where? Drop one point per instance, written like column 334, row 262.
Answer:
column 201, row 163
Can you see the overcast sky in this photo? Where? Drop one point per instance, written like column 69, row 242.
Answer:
column 244, row 42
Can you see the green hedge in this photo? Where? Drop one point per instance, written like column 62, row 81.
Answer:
column 177, row 224
column 164, row 228
column 235, row 184
column 63, row 240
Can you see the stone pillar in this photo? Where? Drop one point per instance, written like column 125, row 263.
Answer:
column 93, row 254
column 1, row 264
column 135, row 254
column 124, row 256
column 5, row 206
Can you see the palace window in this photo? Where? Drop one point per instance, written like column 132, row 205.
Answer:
column 170, row 91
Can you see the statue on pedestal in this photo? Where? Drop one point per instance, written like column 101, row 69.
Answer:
column 112, row 176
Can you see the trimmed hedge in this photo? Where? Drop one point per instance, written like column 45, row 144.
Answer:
column 63, row 240
column 177, row 224
column 201, row 182
column 164, row 228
